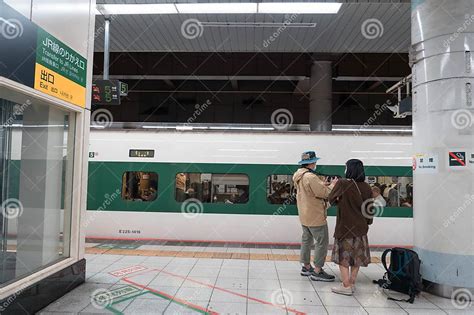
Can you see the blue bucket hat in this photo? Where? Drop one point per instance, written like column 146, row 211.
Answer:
column 308, row 157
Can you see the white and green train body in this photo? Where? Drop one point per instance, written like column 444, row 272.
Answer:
column 222, row 165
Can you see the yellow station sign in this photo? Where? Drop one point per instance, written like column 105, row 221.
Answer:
column 54, row 84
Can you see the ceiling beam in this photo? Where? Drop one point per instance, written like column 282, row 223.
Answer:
column 235, row 85
column 169, row 83
column 241, row 78
column 374, row 85
column 205, row 77
column 372, row 78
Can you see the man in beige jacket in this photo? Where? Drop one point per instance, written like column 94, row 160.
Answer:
column 311, row 199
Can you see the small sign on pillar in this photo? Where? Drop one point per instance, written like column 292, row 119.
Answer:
column 457, row 158
column 425, row 163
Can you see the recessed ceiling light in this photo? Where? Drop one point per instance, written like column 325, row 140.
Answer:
column 221, row 8
column 217, row 8
column 299, row 7
column 257, row 24
column 119, row 9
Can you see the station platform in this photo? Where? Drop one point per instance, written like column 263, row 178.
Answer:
column 166, row 278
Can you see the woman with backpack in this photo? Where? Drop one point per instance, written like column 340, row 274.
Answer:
column 352, row 196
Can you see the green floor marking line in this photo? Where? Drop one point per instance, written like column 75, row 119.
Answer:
column 110, row 296
column 126, row 246
column 130, row 297
column 113, row 310
column 105, row 246
column 116, row 311
column 117, row 246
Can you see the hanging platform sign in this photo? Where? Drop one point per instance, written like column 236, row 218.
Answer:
column 106, row 92
column 123, row 89
column 35, row 58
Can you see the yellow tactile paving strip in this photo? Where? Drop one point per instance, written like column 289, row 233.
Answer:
column 200, row 254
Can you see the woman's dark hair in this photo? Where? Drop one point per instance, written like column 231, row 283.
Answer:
column 355, row 170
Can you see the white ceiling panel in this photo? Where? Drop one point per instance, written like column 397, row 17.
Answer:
column 388, row 30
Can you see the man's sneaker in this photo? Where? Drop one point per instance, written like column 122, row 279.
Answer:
column 322, row 276
column 341, row 289
column 307, row 271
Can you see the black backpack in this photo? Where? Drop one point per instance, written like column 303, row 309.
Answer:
column 403, row 275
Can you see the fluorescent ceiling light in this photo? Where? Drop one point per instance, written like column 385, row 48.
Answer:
column 157, row 127
column 116, row 9
column 257, row 24
column 184, row 128
column 221, row 8
column 393, row 143
column 299, row 7
column 369, row 151
column 216, row 8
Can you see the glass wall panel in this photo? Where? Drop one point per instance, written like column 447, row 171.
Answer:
column 37, row 147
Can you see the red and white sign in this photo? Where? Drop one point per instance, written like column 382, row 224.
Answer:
column 126, row 271
column 457, row 158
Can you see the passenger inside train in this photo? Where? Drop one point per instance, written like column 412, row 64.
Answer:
column 212, row 188
column 139, row 186
column 280, row 189
column 378, row 199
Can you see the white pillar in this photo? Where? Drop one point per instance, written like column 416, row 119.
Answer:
column 443, row 122
column 320, row 105
column 41, row 179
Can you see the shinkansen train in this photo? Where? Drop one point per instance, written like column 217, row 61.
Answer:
column 234, row 186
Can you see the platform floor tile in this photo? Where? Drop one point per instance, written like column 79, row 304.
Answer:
column 175, row 282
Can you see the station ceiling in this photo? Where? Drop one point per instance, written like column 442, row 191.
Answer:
column 332, row 33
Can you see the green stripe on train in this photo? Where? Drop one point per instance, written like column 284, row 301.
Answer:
column 105, row 179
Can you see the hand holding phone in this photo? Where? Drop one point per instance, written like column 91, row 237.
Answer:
column 333, row 182
column 327, row 180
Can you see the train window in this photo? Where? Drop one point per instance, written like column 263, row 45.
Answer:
column 212, row 188
column 139, row 186
column 280, row 189
column 397, row 191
